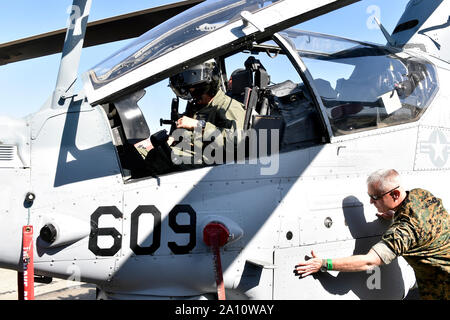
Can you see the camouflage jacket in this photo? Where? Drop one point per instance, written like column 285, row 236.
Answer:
column 224, row 117
column 421, row 234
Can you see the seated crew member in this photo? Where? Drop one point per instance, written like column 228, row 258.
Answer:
column 210, row 115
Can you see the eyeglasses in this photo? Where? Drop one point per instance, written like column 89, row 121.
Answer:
column 375, row 198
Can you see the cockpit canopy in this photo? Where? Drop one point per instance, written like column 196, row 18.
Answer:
column 184, row 28
column 364, row 86
column 347, row 86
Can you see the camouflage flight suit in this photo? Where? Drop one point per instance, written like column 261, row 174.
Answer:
column 421, row 234
column 223, row 116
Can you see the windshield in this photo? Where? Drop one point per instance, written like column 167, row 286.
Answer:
column 184, row 28
column 364, row 86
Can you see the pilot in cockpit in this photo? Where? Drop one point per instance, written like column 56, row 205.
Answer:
column 210, row 116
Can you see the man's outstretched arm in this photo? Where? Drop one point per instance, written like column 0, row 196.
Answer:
column 348, row 264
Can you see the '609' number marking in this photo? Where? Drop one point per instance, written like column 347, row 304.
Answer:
column 156, row 241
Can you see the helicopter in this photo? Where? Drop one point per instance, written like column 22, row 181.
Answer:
column 338, row 110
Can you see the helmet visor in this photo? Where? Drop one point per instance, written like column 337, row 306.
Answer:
column 195, row 77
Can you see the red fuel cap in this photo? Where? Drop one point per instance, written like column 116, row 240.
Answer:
column 215, row 233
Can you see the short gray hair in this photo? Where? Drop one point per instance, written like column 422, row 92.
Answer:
column 384, row 179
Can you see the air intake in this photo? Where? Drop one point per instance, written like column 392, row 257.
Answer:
column 9, row 157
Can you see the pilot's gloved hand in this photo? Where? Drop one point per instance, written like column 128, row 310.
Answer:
column 187, row 123
column 170, row 140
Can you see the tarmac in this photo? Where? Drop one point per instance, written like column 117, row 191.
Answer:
column 58, row 289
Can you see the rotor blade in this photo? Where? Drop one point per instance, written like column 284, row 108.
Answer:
column 98, row 32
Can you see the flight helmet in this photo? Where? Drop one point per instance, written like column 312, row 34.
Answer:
column 194, row 82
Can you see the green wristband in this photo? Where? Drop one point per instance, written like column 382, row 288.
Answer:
column 329, row 264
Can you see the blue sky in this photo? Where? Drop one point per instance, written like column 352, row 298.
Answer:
column 25, row 86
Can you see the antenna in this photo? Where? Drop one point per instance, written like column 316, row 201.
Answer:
column 386, row 34
column 73, row 44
